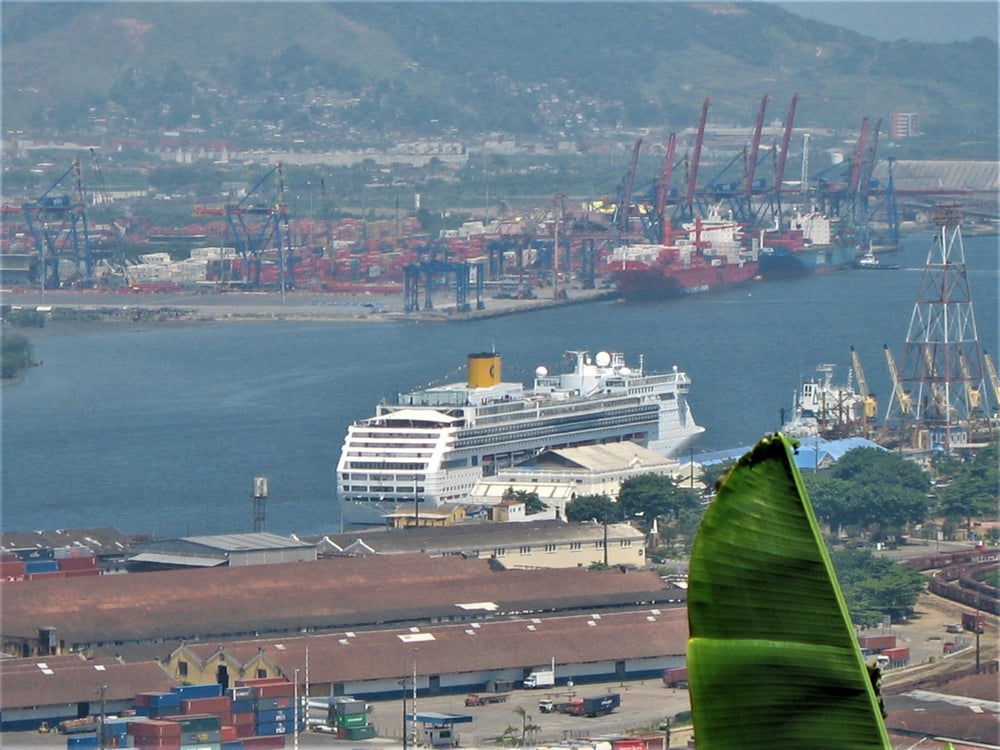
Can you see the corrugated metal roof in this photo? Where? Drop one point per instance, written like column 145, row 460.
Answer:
column 247, row 542
column 191, row 561
column 603, row 458
column 646, row 632
column 72, row 682
column 979, row 176
column 334, row 593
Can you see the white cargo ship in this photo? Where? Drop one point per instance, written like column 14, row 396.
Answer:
column 433, row 445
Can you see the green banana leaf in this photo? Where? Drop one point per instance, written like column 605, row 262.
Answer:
column 773, row 661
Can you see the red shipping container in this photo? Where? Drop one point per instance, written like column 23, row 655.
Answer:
column 900, row 653
column 222, row 704
column 166, row 743
column 81, row 573
column 877, row 642
column 154, row 728
column 12, row 568
column 275, row 742
column 263, row 681
column 227, row 732
column 285, row 690
column 77, row 563
column 53, row 574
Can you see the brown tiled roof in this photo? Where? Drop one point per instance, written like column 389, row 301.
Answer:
column 954, row 722
column 490, row 645
column 67, row 680
column 336, row 593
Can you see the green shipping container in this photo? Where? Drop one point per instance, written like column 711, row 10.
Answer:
column 366, row 732
column 352, row 720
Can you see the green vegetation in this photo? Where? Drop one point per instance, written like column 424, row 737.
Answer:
column 968, row 488
column 532, row 503
column 437, row 69
column 870, row 490
column 875, row 586
column 15, row 354
column 772, row 656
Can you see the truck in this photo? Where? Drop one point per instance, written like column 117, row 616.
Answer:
column 598, row 705
column 974, row 621
column 675, row 677
column 540, row 678
column 477, row 699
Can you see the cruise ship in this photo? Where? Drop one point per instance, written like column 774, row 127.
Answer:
column 433, row 445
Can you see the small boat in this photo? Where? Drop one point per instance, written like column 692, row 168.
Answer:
column 869, row 262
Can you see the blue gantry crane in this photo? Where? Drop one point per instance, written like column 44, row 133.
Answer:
column 57, row 222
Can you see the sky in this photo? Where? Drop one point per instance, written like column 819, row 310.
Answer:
column 890, row 20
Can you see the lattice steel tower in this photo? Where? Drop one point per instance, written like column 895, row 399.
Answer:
column 939, row 398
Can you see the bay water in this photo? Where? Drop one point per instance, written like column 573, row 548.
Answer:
column 161, row 429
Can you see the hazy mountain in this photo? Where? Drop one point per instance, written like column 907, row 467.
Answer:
column 336, row 70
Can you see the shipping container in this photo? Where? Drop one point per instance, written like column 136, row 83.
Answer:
column 675, row 677
column 264, row 743
column 365, row 732
column 974, row 621
column 219, row 705
column 82, row 742
column 202, row 690
column 351, row 720
column 41, row 566
column 876, row 643
column 265, row 704
column 274, row 727
column 244, row 706
column 275, row 714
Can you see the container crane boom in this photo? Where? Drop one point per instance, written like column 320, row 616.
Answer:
column 696, row 156
column 626, row 201
column 859, row 155
column 666, row 174
column 786, row 139
column 755, row 147
column 904, row 398
column 972, row 394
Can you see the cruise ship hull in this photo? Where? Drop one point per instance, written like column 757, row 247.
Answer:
column 432, row 446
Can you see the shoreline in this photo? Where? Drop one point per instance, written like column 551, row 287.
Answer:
column 101, row 308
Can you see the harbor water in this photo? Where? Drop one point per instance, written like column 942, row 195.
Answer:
column 161, row 429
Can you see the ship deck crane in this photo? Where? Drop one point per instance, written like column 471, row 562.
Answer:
column 994, row 378
column 869, row 404
column 902, row 397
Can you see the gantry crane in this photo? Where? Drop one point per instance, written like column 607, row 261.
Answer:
column 58, row 225
column 257, row 224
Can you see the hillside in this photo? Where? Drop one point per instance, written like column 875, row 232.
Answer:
column 341, row 69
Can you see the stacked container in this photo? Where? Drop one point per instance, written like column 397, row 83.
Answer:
column 274, row 706
column 12, row 567
column 76, row 561
column 349, row 717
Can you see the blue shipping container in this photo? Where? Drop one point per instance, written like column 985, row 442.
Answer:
column 82, row 742
column 245, row 706
column 277, row 714
column 233, row 745
column 165, row 700
column 204, row 690
column 41, row 566
column 275, row 727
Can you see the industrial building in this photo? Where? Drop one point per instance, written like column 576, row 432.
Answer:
column 526, row 545
column 451, row 658
column 213, row 551
column 145, row 615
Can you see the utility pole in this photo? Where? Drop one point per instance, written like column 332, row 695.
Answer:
column 100, row 723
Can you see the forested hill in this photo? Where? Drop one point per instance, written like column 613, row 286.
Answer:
column 483, row 66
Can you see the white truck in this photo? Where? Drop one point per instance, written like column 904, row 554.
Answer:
column 540, row 678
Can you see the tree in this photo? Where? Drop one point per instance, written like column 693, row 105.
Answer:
column 599, row 507
column 972, row 493
column 650, row 497
column 532, row 503
column 870, row 488
column 876, row 586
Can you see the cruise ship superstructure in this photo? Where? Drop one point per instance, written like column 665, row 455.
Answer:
column 433, row 445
